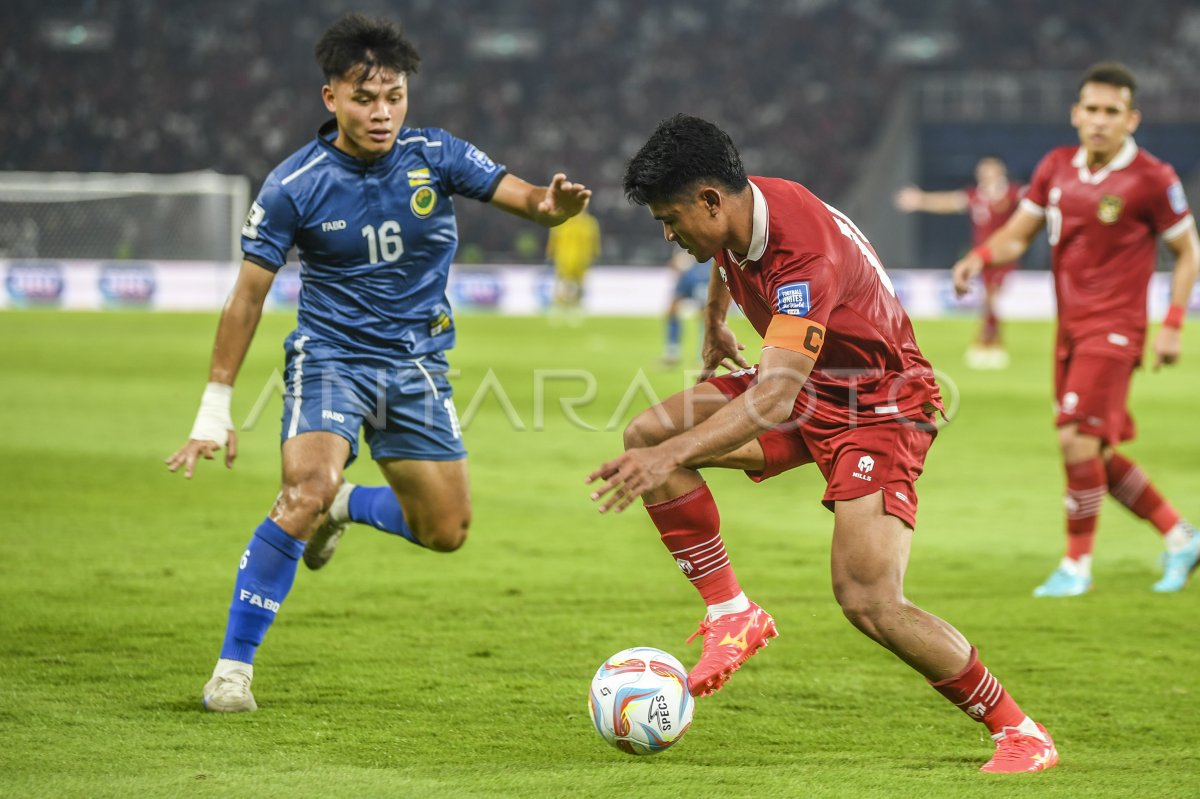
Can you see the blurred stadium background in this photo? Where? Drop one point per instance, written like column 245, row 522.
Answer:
column 114, row 575
column 852, row 98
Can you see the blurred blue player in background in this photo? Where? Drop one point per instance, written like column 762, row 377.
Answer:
column 691, row 286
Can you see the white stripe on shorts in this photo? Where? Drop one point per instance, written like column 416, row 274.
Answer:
column 297, row 383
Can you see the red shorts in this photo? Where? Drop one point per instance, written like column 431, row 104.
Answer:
column 885, row 456
column 1091, row 387
column 993, row 276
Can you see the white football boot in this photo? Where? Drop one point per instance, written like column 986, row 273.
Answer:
column 229, row 689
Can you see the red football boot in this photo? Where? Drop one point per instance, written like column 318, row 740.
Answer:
column 729, row 641
column 1017, row 752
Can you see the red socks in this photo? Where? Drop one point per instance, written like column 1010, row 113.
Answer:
column 1086, row 486
column 1130, row 486
column 981, row 696
column 690, row 528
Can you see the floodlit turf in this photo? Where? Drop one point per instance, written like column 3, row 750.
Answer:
column 398, row 672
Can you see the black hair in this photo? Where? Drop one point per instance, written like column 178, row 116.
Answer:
column 683, row 151
column 357, row 41
column 1111, row 73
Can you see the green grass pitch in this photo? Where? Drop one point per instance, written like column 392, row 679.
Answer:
column 399, row 672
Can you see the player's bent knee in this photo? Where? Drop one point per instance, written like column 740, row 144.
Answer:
column 869, row 609
column 447, row 535
column 646, row 429
column 302, row 503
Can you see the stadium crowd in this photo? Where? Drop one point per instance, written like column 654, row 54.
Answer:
column 802, row 85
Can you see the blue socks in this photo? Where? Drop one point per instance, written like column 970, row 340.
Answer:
column 266, row 574
column 268, row 569
column 673, row 331
column 378, row 507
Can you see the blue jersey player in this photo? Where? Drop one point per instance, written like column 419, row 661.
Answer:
column 368, row 206
column 691, row 285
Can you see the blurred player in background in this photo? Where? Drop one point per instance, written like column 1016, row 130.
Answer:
column 989, row 204
column 691, row 286
column 572, row 247
column 1105, row 204
column 841, row 383
column 368, row 206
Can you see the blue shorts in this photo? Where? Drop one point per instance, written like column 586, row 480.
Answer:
column 693, row 284
column 406, row 410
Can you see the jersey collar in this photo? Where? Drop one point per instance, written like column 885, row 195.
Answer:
column 759, row 218
column 328, row 132
column 1122, row 159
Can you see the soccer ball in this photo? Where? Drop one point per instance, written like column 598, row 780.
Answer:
column 640, row 701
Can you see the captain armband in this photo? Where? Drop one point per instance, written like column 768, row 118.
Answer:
column 795, row 333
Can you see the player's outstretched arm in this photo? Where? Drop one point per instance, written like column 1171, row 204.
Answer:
column 213, row 427
column 1168, row 343
column 911, row 199
column 1004, row 246
column 547, row 205
column 781, row 375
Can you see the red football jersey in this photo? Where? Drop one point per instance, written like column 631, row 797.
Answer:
column 988, row 216
column 1103, row 228
column 809, row 261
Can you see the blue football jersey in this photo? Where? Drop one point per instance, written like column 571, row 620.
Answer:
column 375, row 239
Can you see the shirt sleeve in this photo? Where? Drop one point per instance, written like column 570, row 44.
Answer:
column 803, row 295
column 270, row 228
column 467, row 170
column 1169, row 209
column 807, row 288
column 1037, row 193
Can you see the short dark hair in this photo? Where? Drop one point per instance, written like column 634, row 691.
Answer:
column 372, row 44
column 682, row 151
column 1111, row 73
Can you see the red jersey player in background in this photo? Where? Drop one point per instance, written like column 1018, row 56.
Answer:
column 989, row 204
column 1104, row 204
column 841, row 383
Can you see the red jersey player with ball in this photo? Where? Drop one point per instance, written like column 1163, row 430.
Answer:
column 1104, row 205
column 841, row 383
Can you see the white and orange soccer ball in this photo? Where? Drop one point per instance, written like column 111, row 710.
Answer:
column 640, row 701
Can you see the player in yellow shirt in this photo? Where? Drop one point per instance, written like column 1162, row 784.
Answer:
column 572, row 247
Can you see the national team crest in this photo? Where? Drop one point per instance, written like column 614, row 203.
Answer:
column 1109, row 210
column 423, row 201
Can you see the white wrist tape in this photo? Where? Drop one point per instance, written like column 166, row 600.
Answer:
column 214, row 420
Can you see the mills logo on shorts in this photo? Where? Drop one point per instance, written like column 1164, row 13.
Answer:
column 866, row 464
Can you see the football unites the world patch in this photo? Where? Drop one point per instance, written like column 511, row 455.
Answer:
column 481, row 159
column 1177, row 198
column 793, row 299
